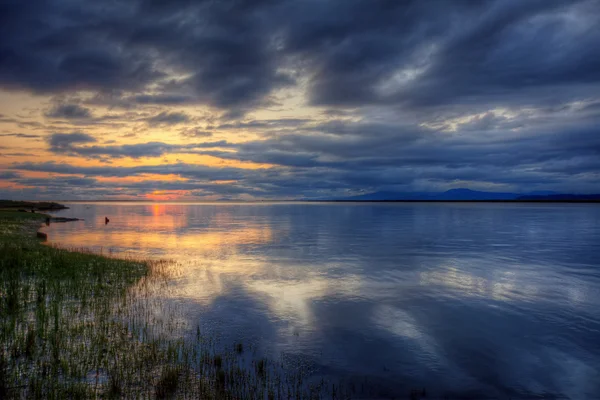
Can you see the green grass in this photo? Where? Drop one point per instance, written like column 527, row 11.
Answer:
column 79, row 325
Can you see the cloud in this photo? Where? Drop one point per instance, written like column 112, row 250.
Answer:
column 516, row 152
column 8, row 175
column 263, row 124
column 64, row 140
column 162, row 99
column 73, row 144
column 63, row 182
column 168, row 118
column 7, row 120
column 194, row 133
column 18, row 154
column 346, row 53
column 20, row 135
column 230, row 63
column 69, row 111
column 416, row 55
column 182, row 169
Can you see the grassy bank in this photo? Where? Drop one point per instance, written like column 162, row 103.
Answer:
column 10, row 205
column 78, row 325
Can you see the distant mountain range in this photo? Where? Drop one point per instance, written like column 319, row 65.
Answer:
column 470, row 195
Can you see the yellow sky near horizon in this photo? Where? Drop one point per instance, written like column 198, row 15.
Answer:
column 26, row 126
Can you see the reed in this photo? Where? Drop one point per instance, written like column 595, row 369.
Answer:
column 78, row 325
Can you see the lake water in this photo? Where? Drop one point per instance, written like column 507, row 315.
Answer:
column 490, row 300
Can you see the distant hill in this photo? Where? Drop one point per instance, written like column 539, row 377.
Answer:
column 468, row 194
column 390, row 196
column 561, row 197
column 463, row 194
column 453, row 194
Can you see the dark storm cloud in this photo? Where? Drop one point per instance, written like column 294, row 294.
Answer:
column 69, row 111
column 517, row 48
column 54, row 46
column 424, row 53
column 352, row 52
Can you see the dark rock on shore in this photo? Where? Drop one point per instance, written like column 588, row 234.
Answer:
column 42, row 235
column 63, row 219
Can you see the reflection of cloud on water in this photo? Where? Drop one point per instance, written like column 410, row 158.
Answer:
column 500, row 285
column 288, row 291
column 516, row 283
column 292, row 299
column 401, row 324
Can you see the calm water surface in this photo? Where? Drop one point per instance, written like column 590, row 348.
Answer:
column 480, row 299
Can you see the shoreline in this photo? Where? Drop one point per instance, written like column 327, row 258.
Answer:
column 83, row 325
column 49, row 297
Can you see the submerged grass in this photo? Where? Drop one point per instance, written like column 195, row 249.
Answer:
column 79, row 325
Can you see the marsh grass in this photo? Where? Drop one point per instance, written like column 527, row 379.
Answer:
column 78, row 325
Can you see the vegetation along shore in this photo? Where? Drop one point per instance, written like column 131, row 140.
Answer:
column 79, row 325
column 9, row 205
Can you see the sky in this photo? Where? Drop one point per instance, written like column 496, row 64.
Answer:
column 297, row 99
